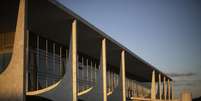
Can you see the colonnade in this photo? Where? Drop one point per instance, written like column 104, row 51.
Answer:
column 72, row 88
column 103, row 68
column 135, row 89
column 165, row 92
column 167, row 87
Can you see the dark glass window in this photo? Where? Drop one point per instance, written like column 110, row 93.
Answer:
column 50, row 47
column 32, row 41
column 4, row 60
column 42, row 43
column 6, row 46
column 46, row 62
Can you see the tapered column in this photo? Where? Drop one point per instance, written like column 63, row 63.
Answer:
column 153, row 87
column 12, row 79
column 122, row 77
column 159, row 86
column 73, row 57
column 164, row 88
column 168, row 89
column 103, row 72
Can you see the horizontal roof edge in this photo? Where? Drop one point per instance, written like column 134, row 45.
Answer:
column 65, row 9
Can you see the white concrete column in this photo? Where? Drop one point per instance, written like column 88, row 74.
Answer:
column 122, row 77
column 103, row 72
column 168, row 89
column 74, row 61
column 153, row 87
column 164, row 88
column 159, row 86
column 12, row 79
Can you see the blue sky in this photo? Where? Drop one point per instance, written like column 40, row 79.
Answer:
column 166, row 33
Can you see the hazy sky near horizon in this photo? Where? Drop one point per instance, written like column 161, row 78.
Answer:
column 165, row 33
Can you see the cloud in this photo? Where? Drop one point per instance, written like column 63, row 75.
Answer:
column 181, row 74
column 187, row 82
column 184, row 84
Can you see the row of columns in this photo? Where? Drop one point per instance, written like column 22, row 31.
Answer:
column 72, row 88
column 134, row 89
column 167, row 88
column 103, row 72
column 103, row 68
column 73, row 63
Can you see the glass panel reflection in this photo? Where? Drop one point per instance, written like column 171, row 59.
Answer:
column 45, row 64
column 6, row 46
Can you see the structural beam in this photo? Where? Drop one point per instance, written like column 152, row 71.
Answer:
column 122, row 77
column 153, row 87
column 103, row 71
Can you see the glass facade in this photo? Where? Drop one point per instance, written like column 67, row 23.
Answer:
column 135, row 89
column 87, row 70
column 112, row 80
column 6, row 47
column 47, row 63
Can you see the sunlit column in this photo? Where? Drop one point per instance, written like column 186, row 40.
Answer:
column 164, row 88
column 122, row 77
column 168, row 89
column 159, row 85
column 103, row 71
column 153, row 87
column 74, row 60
